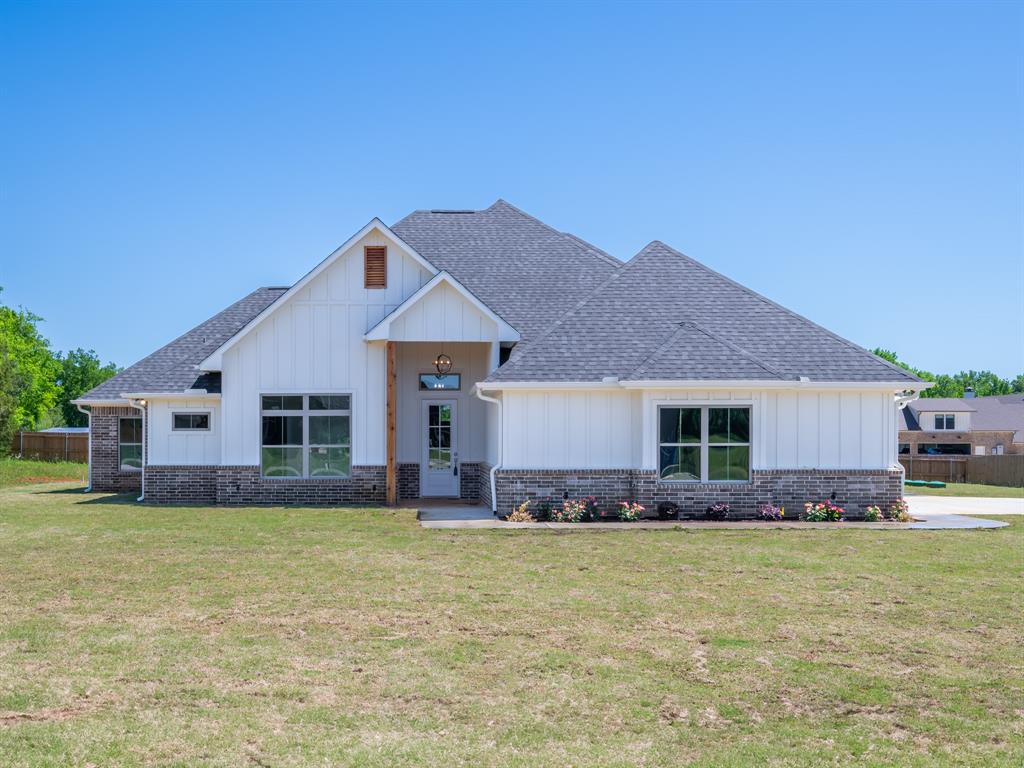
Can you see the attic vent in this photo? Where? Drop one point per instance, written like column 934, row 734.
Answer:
column 375, row 266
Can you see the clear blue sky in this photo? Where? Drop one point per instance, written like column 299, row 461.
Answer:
column 861, row 164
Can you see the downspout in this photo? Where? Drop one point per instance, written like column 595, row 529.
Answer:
column 140, row 405
column 88, row 415
column 501, row 438
column 902, row 401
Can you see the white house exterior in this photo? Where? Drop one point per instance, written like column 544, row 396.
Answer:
column 487, row 356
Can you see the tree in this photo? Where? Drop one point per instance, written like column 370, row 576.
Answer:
column 984, row 383
column 80, row 371
column 9, row 386
column 33, row 364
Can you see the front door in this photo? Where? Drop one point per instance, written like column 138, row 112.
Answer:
column 439, row 470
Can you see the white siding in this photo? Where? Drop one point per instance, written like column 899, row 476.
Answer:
column 569, row 429
column 314, row 343
column 443, row 313
column 611, row 429
column 167, row 447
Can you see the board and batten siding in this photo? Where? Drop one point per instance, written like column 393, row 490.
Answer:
column 314, row 344
column 167, row 447
column 443, row 313
column 571, row 429
column 614, row 429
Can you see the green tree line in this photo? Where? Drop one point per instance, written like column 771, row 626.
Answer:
column 37, row 384
column 984, row 383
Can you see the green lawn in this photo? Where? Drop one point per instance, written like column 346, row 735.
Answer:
column 969, row 489
column 132, row 635
column 23, row 471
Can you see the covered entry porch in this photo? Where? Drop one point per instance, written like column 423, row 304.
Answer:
column 441, row 438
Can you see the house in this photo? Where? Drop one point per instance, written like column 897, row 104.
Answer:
column 963, row 426
column 485, row 355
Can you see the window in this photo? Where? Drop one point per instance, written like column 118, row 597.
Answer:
column 904, row 447
column 434, row 382
column 190, row 422
column 306, row 435
column 704, row 444
column 944, row 449
column 129, row 443
column 945, row 421
column 375, row 266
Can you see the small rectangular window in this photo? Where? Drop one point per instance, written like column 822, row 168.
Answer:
column 129, row 444
column 945, row 421
column 904, row 448
column 190, row 422
column 432, row 382
column 375, row 266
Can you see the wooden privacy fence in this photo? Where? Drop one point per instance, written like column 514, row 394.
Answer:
column 1007, row 469
column 51, row 446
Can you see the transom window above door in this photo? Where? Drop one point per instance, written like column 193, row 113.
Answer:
column 306, row 436
column 704, row 444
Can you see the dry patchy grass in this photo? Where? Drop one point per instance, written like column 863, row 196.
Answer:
column 133, row 635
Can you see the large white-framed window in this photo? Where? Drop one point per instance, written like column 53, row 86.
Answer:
column 704, row 443
column 129, row 443
column 306, row 436
column 945, row 421
column 190, row 421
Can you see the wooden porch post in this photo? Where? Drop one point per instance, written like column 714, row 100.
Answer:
column 391, row 471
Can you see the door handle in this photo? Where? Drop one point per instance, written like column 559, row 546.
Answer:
column 455, row 465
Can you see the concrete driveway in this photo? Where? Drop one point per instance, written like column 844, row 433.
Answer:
column 926, row 506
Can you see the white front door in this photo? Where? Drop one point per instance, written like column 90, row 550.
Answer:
column 439, row 469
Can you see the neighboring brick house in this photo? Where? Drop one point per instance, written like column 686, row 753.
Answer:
column 963, row 426
column 486, row 355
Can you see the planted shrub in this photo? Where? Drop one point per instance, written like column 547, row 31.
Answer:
column 899, row 512
column 571, row 511
column 872, row 514
column 770, row 513
column 823, row 512
column 590, row 512
column 719, row 511
column 668, row 511
column 521, row 514
column 630, row 511
column 544, row 507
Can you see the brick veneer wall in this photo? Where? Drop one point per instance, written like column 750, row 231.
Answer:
column 408, row 481
column 854, row 489
column 181, row 484
column 469, row 480
column 242, row 485
column 106, row 470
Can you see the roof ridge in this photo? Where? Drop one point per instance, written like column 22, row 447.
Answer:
column 577, row 241
column 768, row 301
column 690, row 324
column 620, row 270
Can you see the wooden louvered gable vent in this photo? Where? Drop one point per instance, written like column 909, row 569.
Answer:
column 375, row 266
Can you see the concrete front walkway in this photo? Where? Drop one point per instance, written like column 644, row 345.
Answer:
column 940, row 518
column 963, row 505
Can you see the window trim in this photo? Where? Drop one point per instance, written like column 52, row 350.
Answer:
column 946, row 417
column 704, row 443
column 193, row 412
column 142, row 439
column 305, row 413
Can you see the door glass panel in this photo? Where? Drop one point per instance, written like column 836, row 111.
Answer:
column 439, row 437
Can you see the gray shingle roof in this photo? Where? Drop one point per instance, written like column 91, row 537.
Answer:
column 665, row 316
column 942, row 404
column 172, row 367
column 521, row 268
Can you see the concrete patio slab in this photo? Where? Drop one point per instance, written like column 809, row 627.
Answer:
column 963, row 505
